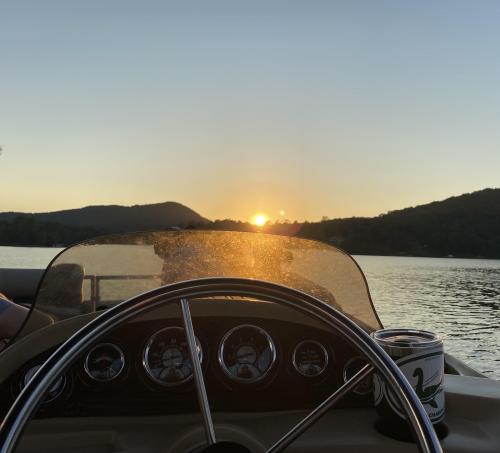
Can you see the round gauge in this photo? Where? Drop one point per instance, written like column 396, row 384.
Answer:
column 310, row 358
column 351, row 368
column 166, row 357
column 55, row 389
column 104, row 362
column 247, row 353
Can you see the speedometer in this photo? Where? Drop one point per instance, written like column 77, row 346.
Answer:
column 166, row 357
column 247, row 353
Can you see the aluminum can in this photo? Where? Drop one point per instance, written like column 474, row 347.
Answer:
column 420, row 356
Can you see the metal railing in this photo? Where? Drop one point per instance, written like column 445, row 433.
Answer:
column 95, row 282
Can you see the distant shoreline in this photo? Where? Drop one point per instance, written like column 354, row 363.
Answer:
column 354, row 255
column 463, row 227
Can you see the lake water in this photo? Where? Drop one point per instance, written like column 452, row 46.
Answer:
column 458, row 298
column 27, row 257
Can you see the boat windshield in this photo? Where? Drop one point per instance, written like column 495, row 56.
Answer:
column 99, row 273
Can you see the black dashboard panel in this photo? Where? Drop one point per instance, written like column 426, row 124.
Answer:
column 133, row 392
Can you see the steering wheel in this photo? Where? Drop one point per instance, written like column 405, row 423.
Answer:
column 29, row 399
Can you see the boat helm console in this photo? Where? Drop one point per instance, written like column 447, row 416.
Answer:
column 191, row 341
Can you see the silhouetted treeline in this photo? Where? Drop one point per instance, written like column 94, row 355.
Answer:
column 26, row 231
column 463, row 226
column 117, row 219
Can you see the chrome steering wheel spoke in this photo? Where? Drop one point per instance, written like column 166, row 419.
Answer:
column 309, row 420
column 199, row 381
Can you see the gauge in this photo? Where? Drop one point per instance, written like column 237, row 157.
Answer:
column 166, row 357
column 104, row 362
column 55, row 389
column 310, row 358
column 247, row 353
column 351, row 368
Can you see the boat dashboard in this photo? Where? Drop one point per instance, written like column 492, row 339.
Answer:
column 255, row 356
column 265, row 367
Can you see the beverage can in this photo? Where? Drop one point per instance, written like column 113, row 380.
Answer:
column 420, row 356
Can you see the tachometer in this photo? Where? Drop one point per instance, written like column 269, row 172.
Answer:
column 247, row 353
column 55, row 389
column 166, row 357
column 310, row 358
column 104, row 362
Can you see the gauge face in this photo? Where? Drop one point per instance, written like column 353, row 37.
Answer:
column 310, row 358
column 351, row 368
column 247, row 353
column 166, row 357
column 104, row 362
column 55, row 389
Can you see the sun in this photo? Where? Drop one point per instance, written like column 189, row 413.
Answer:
column 260, row 219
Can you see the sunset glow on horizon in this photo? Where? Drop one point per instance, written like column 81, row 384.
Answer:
column 323, row 109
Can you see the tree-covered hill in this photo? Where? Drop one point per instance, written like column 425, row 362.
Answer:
column 73, row 225
column 464, row 226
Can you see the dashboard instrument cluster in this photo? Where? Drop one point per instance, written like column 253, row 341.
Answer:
column 145, row 366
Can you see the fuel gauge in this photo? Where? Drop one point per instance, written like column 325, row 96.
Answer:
column 351, row 368
column 310, row 358
column 55, row 389
column 104, row 362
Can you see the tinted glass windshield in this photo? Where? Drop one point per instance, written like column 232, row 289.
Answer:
column 100, row 273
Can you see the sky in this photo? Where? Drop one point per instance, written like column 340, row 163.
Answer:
column 310, row 108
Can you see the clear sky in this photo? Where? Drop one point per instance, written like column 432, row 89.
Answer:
column 314, row 108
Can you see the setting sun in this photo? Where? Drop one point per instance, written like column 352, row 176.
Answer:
column 260, row 219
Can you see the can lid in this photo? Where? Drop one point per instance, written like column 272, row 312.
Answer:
column 406, row 338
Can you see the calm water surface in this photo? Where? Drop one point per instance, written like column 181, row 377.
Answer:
column 458, row 298
column 30, row 257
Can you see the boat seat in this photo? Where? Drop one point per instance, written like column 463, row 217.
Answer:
column 61, row 292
